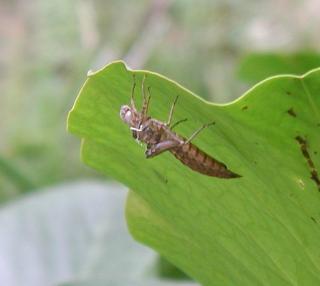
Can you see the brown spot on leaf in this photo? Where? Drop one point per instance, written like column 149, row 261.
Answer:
column 314, row 220
column 161, row 177
column 288, row 93
column 244, row 107
column 304, row 149
column 314, row 176
column 291, row 112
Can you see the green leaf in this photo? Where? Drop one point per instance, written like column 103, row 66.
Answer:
column 258, row 66
column 260, row 229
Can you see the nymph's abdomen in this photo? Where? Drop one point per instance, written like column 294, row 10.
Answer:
column 191, row 156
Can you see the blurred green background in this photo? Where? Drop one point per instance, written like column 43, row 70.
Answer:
column 217, row 49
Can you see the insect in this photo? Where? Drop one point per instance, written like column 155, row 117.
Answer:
column 159, row 137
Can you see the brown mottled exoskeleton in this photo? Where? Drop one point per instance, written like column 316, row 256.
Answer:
column 159, row 137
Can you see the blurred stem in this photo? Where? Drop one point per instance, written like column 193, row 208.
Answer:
column 149, row 34
column 15, row 176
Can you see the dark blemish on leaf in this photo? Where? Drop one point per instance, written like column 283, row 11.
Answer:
column 161, row 177
column 314, row 176
column 291, row 112
column 314, row 220
column 288, row 93
column 244, row 107
column 303, row 147
column 313, row 171
column 315, row 152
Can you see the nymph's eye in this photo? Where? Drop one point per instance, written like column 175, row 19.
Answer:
column 125, row 113
column 127, row 116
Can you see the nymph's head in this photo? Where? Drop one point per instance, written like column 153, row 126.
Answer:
column 126, row 114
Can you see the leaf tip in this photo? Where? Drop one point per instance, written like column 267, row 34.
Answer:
column 114, row 64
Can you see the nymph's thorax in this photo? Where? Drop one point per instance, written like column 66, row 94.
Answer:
column 153, row 131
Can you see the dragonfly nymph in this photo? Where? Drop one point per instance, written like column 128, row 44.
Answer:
column 159, row 137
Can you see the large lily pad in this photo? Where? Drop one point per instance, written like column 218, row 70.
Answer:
column 260, row 229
